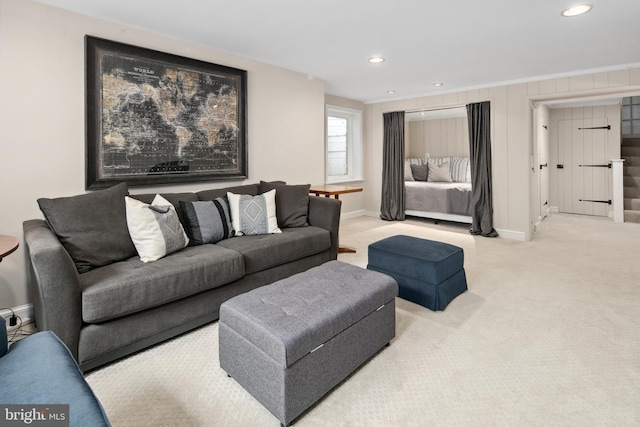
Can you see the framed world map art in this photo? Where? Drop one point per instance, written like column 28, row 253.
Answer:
column 157, row 118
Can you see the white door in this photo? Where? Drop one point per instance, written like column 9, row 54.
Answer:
column 583, row 173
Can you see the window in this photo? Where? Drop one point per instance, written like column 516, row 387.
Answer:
column 344, row 144
column 631, row 116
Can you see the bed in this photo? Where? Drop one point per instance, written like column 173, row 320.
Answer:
column 447, row 201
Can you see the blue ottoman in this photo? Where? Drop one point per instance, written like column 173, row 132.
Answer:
column 39, row 372
column 428, row 273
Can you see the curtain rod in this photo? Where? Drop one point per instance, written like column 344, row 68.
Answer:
column 434, row 109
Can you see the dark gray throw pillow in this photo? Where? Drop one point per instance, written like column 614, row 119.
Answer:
column 207, row 221
column 92, row 227
column 420, row 172
column 292, row 203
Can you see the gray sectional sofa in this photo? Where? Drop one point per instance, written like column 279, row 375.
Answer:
column 105, row 303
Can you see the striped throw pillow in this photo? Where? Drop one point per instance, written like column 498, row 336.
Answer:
column 460, row 169
column 207, row 221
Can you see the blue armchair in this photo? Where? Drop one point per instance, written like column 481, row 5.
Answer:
column 39, row 370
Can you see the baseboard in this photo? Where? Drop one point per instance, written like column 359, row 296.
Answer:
column 507, row 234
column 512, row 235
column 352, row 214
column 553, row 209
column 25, row 312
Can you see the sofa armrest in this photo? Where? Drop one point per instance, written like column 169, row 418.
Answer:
column 54, row 284
column 325, row 212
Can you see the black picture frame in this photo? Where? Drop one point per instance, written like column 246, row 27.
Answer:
column 158, row 118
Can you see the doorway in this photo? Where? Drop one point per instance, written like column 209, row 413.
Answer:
column 570, row 162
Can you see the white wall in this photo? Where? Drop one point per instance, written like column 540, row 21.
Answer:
column 439, row 138
column 511, row 135
column 42, row 117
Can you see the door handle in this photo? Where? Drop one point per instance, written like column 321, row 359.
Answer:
column 543, row 166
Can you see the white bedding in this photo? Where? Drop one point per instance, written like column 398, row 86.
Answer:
column 439, row 200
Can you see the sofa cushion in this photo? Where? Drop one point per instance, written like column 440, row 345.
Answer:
column 131, row 286
column 270, row 250
column 207, row 221
column 292, row 203
column 252, row 215
column 154, row 228
column 92, row 227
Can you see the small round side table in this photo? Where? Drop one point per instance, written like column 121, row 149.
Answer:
column 8, row 244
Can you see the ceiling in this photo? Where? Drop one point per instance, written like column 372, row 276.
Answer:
column 464, row 44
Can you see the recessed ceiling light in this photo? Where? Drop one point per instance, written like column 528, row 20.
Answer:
column 577, row 10
column 376, row 59
column 391, row 92
column 438, row 84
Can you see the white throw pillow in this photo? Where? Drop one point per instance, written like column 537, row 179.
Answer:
column 439, row 173
column 155, row 229
column 408, row 175
column 252, row 215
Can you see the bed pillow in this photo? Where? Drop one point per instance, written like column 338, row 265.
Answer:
column 460, row 169
column 92, row 227
column 207, row 221
column 155, row 229
column 419, row 172
column 408, row 174
column 253, row 215
column 292, row 203
column 439, row 173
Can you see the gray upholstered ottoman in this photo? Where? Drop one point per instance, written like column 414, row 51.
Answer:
column 291, row 342
column 428, row 273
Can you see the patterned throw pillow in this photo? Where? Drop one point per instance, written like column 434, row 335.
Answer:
column 207, row 221
column 252, row 215
column 155, row 229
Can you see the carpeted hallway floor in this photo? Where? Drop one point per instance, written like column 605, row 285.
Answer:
column 548, row 334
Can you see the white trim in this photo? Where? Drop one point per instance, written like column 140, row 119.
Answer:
column 353, row 214
column 512, row 235
column 530, row 79
column 355, row 143
column 24, row 311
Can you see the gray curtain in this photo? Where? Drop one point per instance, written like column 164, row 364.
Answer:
column 392, row 205
column 479, row 119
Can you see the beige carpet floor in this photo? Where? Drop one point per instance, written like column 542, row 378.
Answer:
column 548, row 334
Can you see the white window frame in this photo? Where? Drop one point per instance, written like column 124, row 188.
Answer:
column 354, row 143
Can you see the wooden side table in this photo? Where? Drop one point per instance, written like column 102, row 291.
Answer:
column 8, row 244
column 328, row 190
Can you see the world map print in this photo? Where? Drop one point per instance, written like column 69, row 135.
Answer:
column 163, row 119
